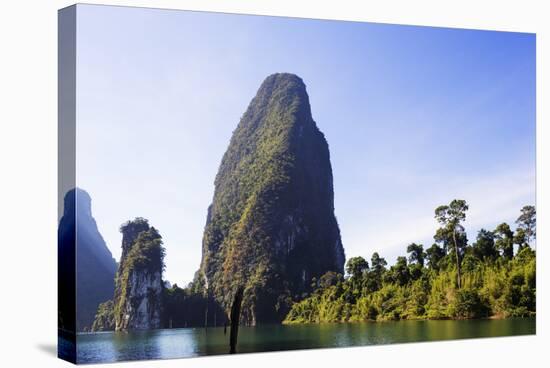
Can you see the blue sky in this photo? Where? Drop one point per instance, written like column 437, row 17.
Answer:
column 414, row 117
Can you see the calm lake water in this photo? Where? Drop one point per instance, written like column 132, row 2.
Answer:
column 190, row 342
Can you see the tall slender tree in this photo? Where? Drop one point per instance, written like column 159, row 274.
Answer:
column 504, row 240
column 378, row 267
column 527, row 221
column 450, row 218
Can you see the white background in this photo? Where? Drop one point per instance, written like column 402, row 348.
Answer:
column 28, row 180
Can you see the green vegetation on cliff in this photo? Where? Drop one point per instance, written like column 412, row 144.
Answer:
column 494, row 282
column 139, row 277
column 105, row 317
column 271, row 226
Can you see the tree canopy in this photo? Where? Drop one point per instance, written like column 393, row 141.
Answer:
column 496, row 280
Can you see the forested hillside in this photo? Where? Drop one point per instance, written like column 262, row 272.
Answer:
column 494, row 276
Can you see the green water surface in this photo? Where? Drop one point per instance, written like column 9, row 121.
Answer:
column 190, row 342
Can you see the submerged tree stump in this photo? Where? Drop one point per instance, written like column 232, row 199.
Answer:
column 235, row 317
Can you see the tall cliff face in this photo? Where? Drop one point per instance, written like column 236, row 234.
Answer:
column 139, row 285
column 95, row 265
column 271, row 226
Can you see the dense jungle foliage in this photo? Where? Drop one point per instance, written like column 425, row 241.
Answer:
column 495, row 276
column 185, row 307
column 105, row 317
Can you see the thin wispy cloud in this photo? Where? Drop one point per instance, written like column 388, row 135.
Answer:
column 492, row 199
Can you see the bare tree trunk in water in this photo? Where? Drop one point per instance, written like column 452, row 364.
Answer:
column 235, row 317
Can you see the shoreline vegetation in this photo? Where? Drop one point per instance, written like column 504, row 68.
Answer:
column 497, row 281
column 451, row 280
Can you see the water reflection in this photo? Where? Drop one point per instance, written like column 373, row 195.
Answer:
column 189, row 342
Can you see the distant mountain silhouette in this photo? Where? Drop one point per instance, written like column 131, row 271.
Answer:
column 95, row 265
